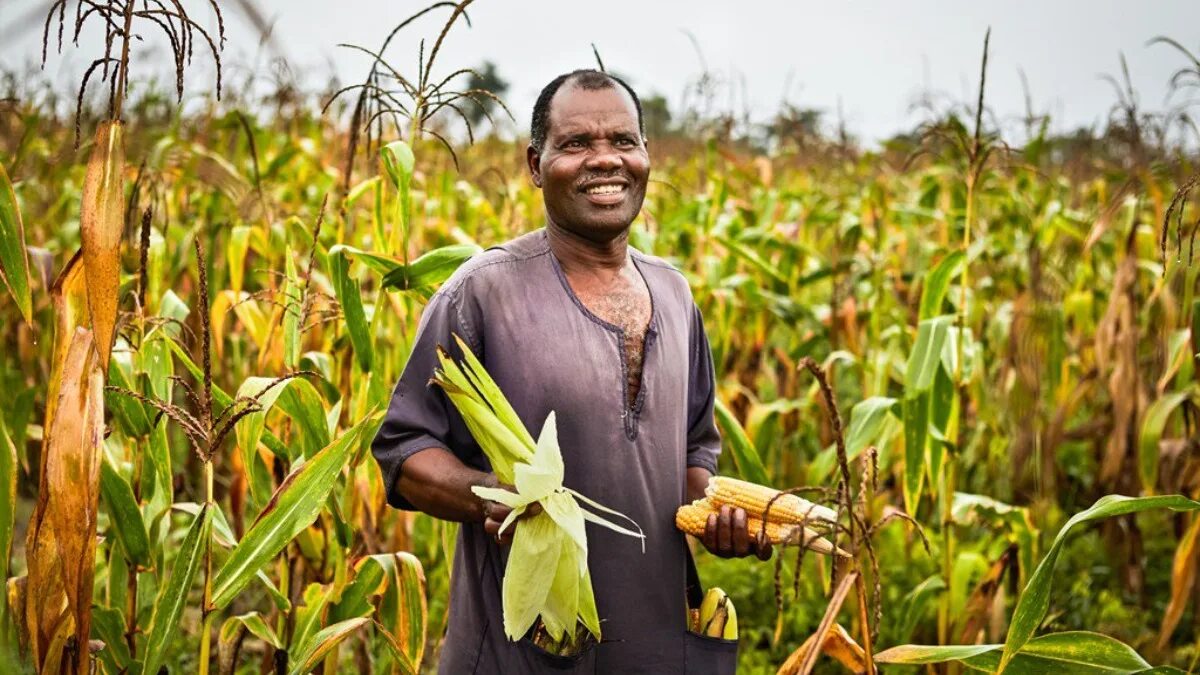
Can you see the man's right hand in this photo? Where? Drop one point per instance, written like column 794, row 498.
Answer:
column 494, row 514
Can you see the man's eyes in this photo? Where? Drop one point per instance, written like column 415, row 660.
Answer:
column 577, row 143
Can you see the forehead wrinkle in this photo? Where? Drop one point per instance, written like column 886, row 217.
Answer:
column 607, row 123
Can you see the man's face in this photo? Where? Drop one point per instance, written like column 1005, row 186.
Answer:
column 594, row 166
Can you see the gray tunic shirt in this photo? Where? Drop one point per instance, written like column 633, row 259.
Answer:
column 513, row 306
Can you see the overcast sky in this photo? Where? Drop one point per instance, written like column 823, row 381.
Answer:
column 874, row 56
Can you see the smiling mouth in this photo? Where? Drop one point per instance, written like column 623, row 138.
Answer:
column 610, row 189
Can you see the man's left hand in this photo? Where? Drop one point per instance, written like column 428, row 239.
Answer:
column 727, row 535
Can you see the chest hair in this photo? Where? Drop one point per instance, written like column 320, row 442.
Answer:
column 626, row 304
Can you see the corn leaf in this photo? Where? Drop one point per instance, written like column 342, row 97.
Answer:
column 1152, row 430
column 236, row 249
column 109, row 625
column 430, row 269
column 14, row 260
column 867, row 418
column 168, row 607
column 745, row 457
column 937, row 282
column 1076, row 652
column 350, row 298
column 293, row 507
column 917, row 604
column 129, row 413
column 124, row 515
column 1035, row 598
column 101, row 224
column 292, row 302
column 916, row 435
column 926, row 355
column 254, row 623
column 224, row 537
column 403, row 611
column 310, row 615
column 311, row 653
column 1183, row 579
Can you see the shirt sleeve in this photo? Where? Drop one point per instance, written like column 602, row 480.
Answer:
column 419, row 414
column 703, row 439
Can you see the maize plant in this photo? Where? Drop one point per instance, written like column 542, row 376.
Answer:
column 204, row 310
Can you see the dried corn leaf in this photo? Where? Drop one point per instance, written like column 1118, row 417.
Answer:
column 101, row 224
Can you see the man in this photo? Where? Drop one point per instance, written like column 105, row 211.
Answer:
column 570, row 319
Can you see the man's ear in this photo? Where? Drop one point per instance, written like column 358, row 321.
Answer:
column 533, row 159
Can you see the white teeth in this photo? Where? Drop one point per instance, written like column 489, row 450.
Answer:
column 605, row 189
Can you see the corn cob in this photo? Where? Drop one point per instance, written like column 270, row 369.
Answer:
column 788, row 509
column 692, row 519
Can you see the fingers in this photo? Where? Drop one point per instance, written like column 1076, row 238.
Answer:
column 725, row 531
column 495, row 513
column 741, row 535
column 763, row 551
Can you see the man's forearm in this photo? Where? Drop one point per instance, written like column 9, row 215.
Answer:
column 438, row 483
column 697, row 480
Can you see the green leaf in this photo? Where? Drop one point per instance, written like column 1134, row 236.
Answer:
column 255, row 624
column 129, row 412
column 14, row 260
column 916, row 433
column 1035, row 598
column 8, row 499
column 867, row 418
column 301, row 402
column 1152, row 431
column 1075, row 652
column 917, row 604
column 350, row 298
column 937, row 282
column 292, row 309
column 398, row 161
column 309, row 615
column 124, row 516
column 294, row 506
column 168, row 608
column 109, row 625
column 223, row 535
column 403, row 611
column 311, row 653
column 430, row 269
column 745, row 457
column 926, row 355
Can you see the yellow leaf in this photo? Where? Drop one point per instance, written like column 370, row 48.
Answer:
column 101, row 224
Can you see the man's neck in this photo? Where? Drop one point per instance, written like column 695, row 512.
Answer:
column 582, row 256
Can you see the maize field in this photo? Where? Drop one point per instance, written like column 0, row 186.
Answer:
column 978, row 356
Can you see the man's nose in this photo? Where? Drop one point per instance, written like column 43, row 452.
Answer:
column 605, row 158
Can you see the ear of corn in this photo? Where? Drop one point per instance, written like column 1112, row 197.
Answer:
column 754, row 498
column 692, row 519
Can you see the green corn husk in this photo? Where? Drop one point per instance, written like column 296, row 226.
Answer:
column 553, row 539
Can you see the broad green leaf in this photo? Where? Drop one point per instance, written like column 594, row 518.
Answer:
column 310, row 615
column 745, row 456
column 350, row 298
column 168, row 608
column 292, row 302
column 223, row 535
column 311, row 653
column 255, row 624
column 294, row 506
column 403, row 611
column 926, row 355
column 109, row 625
column 916, row 433
column 1152, row 430
column 129, row 412
column 398, row 161
column 430, row 269
column 866, row 422
column 1035, row 598
column 371, row 577
column 301, row 402
column 1074, row 652
column 124, row 515
column 937, row 282
column 14, row 260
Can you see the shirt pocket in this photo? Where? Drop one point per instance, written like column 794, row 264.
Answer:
column 703, row 655
column 542, row 660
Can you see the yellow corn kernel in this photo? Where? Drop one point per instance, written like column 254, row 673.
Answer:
column 692, row 519
column 754, row 498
